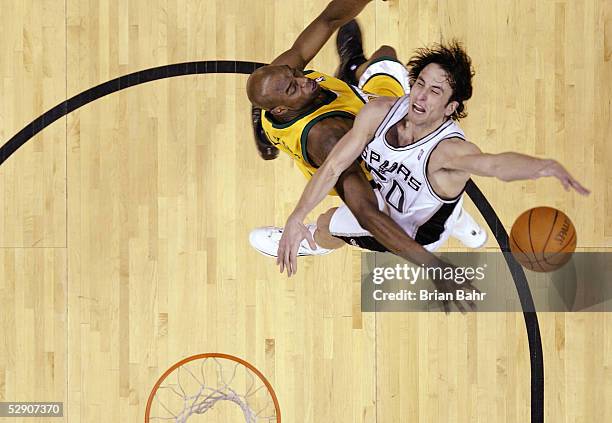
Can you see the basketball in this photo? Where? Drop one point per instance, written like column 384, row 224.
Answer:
column 543, row 239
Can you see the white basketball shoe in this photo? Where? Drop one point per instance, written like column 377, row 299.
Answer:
column 266, row 240
column 468, row 231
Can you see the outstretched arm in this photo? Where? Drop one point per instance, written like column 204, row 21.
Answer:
column 312, row 39
column 462, row 156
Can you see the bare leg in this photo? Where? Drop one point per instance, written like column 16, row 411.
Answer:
column 381, row 52
column 322, row 235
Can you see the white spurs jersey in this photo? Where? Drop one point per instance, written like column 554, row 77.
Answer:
column 401, row 174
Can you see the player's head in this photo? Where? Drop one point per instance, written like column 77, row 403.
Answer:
column 441, row 80
column 281, row 89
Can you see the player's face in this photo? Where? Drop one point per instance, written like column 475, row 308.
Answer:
column 290, row 89
column 430, row 95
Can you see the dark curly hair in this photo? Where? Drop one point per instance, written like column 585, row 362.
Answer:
column 457, row 65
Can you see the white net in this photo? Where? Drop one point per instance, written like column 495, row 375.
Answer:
column 213, row 389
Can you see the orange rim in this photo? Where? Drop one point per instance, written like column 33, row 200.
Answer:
column 213, row 355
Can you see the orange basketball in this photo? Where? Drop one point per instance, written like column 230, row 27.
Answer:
column 543, row 239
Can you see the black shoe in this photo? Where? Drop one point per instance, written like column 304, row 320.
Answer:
column 350, row 50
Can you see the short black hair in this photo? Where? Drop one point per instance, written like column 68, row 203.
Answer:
column 456, row 63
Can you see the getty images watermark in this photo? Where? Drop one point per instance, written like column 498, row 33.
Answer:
column 488, row 280
column 409, row 275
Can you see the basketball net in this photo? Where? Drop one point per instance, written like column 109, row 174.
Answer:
column 196, row 385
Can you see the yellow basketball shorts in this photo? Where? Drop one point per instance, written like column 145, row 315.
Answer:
column 385, row 76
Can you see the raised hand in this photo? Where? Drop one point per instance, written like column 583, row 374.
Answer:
column 446, row 286
column 293, row 234
column 555, row 169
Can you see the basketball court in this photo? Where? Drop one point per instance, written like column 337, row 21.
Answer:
column 124, row 223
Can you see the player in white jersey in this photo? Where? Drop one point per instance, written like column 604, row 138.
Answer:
column 418, row 156
column 404, row 192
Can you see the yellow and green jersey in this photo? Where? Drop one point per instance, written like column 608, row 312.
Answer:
column 341, row 100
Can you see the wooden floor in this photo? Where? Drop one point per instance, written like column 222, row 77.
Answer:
column 123, row 227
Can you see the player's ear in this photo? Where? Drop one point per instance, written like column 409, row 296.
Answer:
column 451, row 107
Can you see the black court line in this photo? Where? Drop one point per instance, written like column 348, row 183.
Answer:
column 117, row 84
column 536, row 357
column 240, row 67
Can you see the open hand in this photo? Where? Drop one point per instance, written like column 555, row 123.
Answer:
column 293, row 235
column 554, row 168
column 451, row 286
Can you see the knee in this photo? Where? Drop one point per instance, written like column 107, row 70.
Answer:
column 324, row 220
column 385, row 50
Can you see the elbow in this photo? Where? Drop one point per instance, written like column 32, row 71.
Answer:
column 331, row 17
column 335, row 16
column 334, row 24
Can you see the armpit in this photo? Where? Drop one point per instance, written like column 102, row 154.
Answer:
column 323, row 136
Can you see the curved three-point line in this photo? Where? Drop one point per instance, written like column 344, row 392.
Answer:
column 226, row 66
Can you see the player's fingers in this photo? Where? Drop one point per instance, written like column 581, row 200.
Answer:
column 564, row 181
column 280, row 253
column 311, row 241
column 473, row 288
column 446, row 306
column 472, row 305
column 293, row 264
column 570, row 182
column 582, row 190
column 286, row 260
column 579, row 187
column 293, row 260
column 284, row 246
column 283, row 265
column 279, row 257
column 460, row 306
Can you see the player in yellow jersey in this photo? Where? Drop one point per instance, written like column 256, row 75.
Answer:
column 307, row 113
column 337, row 101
